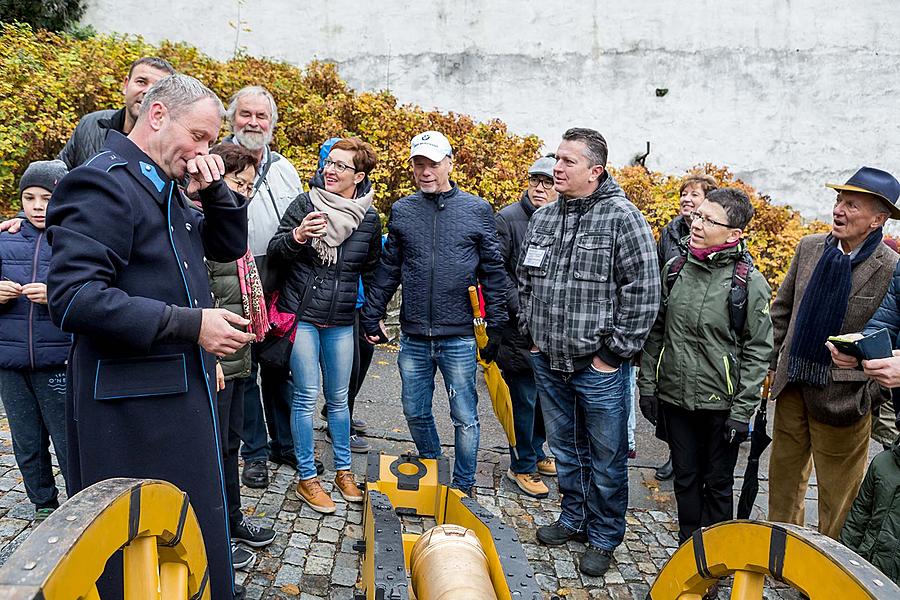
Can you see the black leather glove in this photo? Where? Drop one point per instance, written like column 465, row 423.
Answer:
column 649, row 407
column 490, row 351
column 736, row 431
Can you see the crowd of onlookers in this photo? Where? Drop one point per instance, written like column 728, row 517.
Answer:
column 169, row 304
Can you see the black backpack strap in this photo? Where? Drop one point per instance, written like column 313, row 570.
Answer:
column 675, row 266
column 737, row 296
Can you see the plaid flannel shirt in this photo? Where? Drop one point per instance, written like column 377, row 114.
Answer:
column 589, row 280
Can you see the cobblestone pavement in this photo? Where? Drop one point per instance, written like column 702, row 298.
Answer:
column 313, row 558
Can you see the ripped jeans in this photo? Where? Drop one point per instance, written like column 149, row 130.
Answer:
column 419, row 359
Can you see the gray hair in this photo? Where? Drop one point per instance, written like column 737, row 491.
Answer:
column 252, row 90
column 597, row 150
column 177, row 92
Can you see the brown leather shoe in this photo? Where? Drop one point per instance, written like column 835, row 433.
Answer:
column 347, row 485
column 311, row 492
column 547, row 466
column 529, row 483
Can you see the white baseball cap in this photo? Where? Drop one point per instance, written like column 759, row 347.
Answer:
column 432, row 145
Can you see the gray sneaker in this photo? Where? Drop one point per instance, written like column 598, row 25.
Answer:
column 359, row 445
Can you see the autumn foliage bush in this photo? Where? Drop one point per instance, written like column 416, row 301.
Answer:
column 48, row 81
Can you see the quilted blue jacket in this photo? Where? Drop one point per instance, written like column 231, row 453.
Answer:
column 438, row 245
column 888, row 313
column 28, row 338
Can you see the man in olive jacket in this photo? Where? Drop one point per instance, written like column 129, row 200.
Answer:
column 823, row 414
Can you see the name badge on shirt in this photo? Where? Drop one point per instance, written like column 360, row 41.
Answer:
column 535, row 257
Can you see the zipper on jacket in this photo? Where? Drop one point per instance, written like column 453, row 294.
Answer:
column 34, row 265
column 728, row 376
column 659, row 362
column 433, row 253
column 337, row 280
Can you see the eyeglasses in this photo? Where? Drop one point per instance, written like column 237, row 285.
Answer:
column 339, row 167
column 242, row 187
column 695, row 216
column 540, row 181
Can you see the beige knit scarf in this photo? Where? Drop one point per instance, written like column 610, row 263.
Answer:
column 344, row 216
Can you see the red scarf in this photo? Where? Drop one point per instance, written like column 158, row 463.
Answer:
column 702, row 254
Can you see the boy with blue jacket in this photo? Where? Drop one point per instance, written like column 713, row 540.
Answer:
column 33, row 350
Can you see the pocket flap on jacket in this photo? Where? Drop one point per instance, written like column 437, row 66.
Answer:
column 142, row 376
column 848, row 375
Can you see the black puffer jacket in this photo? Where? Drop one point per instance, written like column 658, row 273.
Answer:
column 438, row 245
column 670, row 240
column 512, row 223
column 333, row 288
column 89, row 136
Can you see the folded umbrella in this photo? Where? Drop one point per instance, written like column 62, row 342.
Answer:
column 501, row 401
column 759, row 441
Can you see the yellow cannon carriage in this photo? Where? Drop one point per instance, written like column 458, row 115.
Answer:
column 408, row 485
column 470, row 555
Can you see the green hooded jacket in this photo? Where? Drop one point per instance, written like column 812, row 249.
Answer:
column 872, row 528
column 692, row 358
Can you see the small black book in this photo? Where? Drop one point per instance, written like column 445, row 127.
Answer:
column 874, row 345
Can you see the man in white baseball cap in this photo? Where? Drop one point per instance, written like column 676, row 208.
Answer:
column 432, row 145
column 440, row 241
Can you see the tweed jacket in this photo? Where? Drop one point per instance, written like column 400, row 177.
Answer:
column 849, row 394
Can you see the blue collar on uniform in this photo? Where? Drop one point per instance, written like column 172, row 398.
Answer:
column 141, row 166
column 149, row 171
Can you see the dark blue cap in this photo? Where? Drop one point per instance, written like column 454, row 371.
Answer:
column 876, row 182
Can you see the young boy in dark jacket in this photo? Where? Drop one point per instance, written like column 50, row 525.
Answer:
column 33, row 350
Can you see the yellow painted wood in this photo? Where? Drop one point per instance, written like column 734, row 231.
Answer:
column 173, row 581
column 747, row 586
column 141, row 569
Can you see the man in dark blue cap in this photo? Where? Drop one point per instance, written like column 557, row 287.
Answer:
column 823, row 415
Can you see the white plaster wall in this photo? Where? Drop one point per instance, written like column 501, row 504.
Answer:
column 788, row 93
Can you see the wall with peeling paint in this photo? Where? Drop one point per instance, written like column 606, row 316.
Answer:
column 788, row 93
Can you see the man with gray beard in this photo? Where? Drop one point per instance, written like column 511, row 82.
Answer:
column 252, row 115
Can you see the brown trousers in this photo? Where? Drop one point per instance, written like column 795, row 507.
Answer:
column 839, row 454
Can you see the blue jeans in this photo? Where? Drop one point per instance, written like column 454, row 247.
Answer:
column 276, row 394
column 586, row 416
column 528, row 422
column 330, row 348
column 35, row 403
column 419, row 359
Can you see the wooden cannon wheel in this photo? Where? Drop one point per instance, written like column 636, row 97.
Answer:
column 151, row 521
column 809, row 562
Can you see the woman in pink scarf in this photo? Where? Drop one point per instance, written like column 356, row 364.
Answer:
column 236, row 286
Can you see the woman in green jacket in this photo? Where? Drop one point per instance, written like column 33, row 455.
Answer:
column 701, row 375
column 236, row 286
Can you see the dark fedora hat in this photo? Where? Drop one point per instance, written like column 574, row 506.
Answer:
column 876, row 182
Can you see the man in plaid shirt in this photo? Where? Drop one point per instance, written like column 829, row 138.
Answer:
column 589, row 291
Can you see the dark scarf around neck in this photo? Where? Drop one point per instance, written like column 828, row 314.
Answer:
column 822, row 310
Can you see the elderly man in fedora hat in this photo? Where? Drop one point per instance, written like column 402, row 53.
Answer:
column 822, row 414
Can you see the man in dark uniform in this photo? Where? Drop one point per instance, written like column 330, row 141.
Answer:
column 127, row 277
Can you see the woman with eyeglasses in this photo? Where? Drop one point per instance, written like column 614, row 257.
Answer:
column 236, row 286
column 704, row 362
column 672, row 243
column 327, row 238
